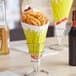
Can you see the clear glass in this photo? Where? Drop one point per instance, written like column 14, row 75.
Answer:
column 58, row 45
column 59, row 36
column 4, row 32
column 36, row 37
column 36, row 66
column 60, row 19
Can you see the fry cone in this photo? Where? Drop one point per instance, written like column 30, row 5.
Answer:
column 61, row 9
column 35, row 36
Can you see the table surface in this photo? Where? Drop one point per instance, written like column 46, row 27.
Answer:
column 19, row 62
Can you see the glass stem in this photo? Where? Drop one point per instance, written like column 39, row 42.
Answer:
column 59, row 39
column 36, row 66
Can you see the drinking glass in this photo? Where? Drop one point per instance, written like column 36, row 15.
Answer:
column 35, row 36
column 61, row 10
column 4, row 32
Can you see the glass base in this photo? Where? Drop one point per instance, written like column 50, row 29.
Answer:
column 57, row 47
column 39, row 73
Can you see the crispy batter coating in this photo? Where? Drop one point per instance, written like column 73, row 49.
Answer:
column 34, row 18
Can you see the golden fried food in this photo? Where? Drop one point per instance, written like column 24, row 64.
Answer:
column 24, row 18
column 39, row 16
column 34, row 18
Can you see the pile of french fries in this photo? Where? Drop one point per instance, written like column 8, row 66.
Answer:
column 34, row 18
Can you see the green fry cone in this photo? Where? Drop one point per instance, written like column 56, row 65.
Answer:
column 35, row 39
column 61, row 9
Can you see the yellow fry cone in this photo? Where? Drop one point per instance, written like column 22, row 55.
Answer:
column 61, row 9
column 35, row 36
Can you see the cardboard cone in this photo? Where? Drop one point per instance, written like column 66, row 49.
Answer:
column 35, row 36
column 61, row 9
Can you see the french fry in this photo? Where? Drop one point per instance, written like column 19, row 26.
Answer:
column 33, row 20
column 23, row 18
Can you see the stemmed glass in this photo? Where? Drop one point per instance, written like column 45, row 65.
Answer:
column 35, row 36
column 61, row 10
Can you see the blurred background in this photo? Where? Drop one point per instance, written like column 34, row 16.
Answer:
column 13, row 16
